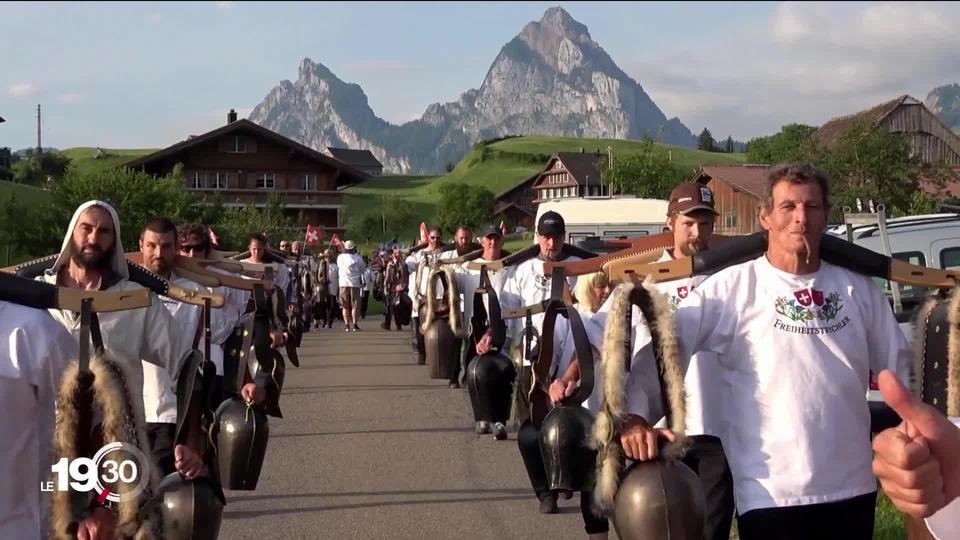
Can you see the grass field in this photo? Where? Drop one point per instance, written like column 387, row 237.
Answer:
column 82, row 157
column 28, row 195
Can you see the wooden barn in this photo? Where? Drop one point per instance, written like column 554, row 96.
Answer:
column 929, row 138
column 737, row 192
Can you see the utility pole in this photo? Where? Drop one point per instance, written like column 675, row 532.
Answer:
column 39, row 146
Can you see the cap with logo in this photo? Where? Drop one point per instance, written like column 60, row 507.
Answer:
column 551, row 223
column 689, row 197
column 491, row 230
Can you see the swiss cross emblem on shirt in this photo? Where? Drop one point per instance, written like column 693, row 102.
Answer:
column 682, row 292
column 808, row 296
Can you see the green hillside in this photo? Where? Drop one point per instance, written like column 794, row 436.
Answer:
column 503, row 164
column 82, row 157
column 27, row 195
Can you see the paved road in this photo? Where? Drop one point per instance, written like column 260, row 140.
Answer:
column 372, row 448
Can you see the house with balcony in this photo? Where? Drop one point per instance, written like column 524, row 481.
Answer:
column 244, row 163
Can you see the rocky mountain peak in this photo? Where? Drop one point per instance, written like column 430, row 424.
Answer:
column 944, row 101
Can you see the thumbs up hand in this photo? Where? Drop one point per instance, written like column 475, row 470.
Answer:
column 917, row 462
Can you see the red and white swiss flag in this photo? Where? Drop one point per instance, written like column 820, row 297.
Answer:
column 214, row 239
column 423, row 232
column 335, row 241
column 313, row 235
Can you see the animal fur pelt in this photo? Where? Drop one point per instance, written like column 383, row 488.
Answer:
column 111, row 400
column 616, row 347
column 416, row 281
column 453, row 301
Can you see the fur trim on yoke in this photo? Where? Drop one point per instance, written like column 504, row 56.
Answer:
column 953, row 355
column 609, row 421
column 453, row 301
column 111, row 398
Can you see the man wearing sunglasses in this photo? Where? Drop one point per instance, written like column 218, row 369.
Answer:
column 432, row 253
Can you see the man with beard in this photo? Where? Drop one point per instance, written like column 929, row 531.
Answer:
column 525, row 285
column 394, row 284
column 35, row 352
column 479, row 341
column 92, row 258
column 285, row 248
column 158, row 248
column 690, row 216
column 418, row 288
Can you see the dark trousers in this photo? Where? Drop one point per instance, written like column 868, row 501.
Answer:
column 364, row 302
column 161, row 437
column 706, row 458
column 418, row 345
column 849, row 519
column 333, row 310
column 390, row 312
column 455, row 360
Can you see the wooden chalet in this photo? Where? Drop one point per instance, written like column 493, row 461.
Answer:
column 929, row 138
column 566, row 175
column 245, row 163
column 737, row 193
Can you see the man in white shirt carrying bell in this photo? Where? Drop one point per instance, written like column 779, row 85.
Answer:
column 795, row 338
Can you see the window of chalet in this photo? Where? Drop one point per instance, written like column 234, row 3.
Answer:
column 237, row 146
column 217, row 180
column 308, row 182
column 199, row 180
column 730, row 218
column 265, row 181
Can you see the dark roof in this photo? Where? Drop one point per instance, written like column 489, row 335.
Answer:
column 583, row 167
column 356, row 158
column 504, row 207
column 246, row 125
column 746, row 178
column 832, row 131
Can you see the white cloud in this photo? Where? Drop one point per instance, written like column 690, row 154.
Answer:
column 24, row 90
column 807, row 63
column 224, row 5
column 68, row 98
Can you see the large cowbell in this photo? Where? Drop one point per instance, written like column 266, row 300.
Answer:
column 933, row 371
column 240, row 433
column 441, row 345
column 192, row 509
column 403, row 307
column 490, row 376
column 565, row 432
column 661, row 498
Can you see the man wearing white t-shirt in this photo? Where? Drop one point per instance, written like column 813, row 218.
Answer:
column 795, row 338
column 351, row 269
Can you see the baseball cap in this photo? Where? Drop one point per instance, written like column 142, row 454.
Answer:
column 689, row 197
column 349, row 245
column 491, row 230
column 551, row 223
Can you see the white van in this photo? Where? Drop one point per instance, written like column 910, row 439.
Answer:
column 608, row 217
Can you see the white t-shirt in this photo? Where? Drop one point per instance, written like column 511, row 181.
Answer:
column 525, row 285
column 368, row 280
column 36, row 350
column 469, row 280
column 796, row 351
column 704, row 383
column 333, row 279
column 351, row 269
column 416, row 290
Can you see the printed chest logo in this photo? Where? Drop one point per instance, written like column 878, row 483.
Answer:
column 810, row 306
column 543, row 282
column 675, row 299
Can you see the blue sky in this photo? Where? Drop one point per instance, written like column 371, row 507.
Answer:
column 124, row 75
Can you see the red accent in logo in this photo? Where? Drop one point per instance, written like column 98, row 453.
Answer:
column 103, row 495
column 817, row 297
column 803, row 296
column 682, row 292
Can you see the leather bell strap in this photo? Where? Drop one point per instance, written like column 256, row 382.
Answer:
column 492, row 320
column 89, row 332
column 581, row 343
